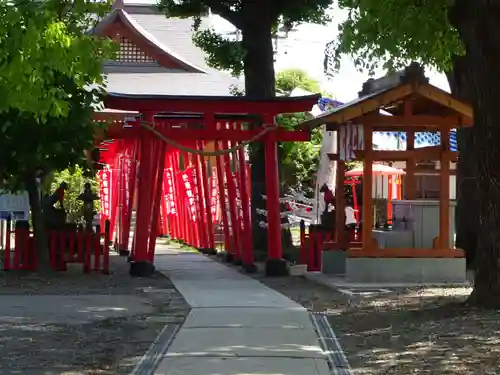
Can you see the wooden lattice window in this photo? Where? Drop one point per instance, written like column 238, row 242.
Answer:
column 131, row 54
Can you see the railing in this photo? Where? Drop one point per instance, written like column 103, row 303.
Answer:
column 69, row 245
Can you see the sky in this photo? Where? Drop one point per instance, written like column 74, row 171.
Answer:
column 304, row 49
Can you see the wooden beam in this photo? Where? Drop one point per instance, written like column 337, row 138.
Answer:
column 403, row 123
column 424, row 153
column 446, row 100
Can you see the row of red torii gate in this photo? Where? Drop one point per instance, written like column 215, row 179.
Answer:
column 179, row 163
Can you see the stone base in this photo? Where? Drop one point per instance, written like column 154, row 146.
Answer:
column 123, row 253
column 406, row 270
column 207, row 251
column 249, row 268
column 333, row 262
column 276, row 267
column 141, row 269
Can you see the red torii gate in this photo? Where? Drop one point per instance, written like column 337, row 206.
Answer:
column 151, row 134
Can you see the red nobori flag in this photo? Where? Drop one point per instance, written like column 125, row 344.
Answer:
column 187, row 180
column 168, row 188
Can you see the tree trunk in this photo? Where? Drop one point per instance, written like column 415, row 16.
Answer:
column 260, row 83
column 38, row 223
column 477, row 24
column 466, row 215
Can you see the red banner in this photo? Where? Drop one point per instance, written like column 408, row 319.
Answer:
column 239, row 206
column 168, row 186
column 105, row 191
column 187, row 180
column 214, row 196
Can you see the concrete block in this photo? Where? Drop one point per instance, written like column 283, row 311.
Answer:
column 333, row 262
column 406, row 270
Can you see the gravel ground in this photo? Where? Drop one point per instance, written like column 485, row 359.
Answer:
column 98, row 345
column 408, row 331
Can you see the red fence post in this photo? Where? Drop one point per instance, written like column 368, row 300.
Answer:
column 6, row 252
column 97, row 248
column 303, row 246
column 61, row 253
column 53, row 249
column 26, row 259
column 79, row 244
column 312, row 243
column 105, row 260
column 318, row 251
column 88, row 251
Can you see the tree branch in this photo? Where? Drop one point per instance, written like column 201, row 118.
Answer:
column 225, row 12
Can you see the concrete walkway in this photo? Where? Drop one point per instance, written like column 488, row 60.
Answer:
column 237, row 326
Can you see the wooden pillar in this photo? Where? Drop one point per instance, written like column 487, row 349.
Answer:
column 206, row 198
column 275, row 264
column 410, row 184
column 141, row 266
column 222, row 200
column 157, row 197
column 410, row 167
column 444, row 194
column 367, row 188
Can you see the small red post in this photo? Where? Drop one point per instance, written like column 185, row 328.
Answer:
column 6, row 253
column 97, row 248
column 61, row 258
column 79, row 244
column 105, row 259
column 303, row 247
column 88, row 251
column 53, row 249
column 26, row 264
column 318, row 251
column 34, row 252
column 17, row 247
column 72, row 246
column 312, row 243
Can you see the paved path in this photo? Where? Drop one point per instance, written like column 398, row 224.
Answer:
column 237, row 326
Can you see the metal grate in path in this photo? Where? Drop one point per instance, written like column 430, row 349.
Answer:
column 151, row 359
column 330, row 344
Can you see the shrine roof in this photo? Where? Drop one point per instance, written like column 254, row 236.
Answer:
column 387, row 94
column 226, row 104
column 167, row 37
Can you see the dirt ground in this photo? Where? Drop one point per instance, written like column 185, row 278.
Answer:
column 72, row 324
column 408, row 331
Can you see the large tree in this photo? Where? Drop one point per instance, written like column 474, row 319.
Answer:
column 457, row 38
column 299, row 159
column 50, row 80
column 258, row 21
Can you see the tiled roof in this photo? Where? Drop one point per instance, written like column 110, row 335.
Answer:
column 176, row 35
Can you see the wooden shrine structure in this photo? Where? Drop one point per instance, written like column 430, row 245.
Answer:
column 152, row 132
column 403, row 102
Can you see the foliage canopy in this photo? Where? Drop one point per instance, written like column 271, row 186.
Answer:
column 50, row 84
column 392, row 33
column 225, row 53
